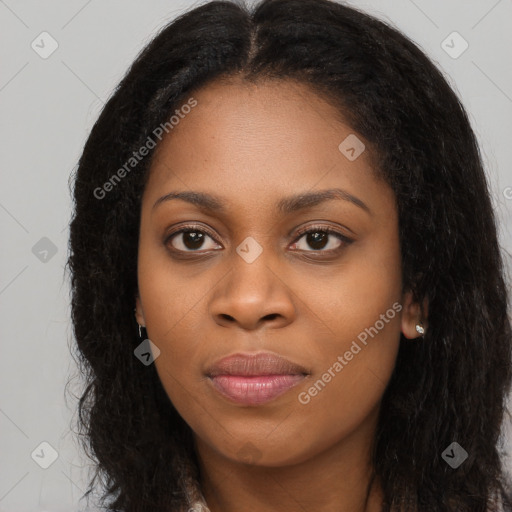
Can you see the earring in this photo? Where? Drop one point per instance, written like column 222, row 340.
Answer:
column 140, row 329
column 420, row 329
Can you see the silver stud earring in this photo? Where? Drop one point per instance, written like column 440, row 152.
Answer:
column 420, row 329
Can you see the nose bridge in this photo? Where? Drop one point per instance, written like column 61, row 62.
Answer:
column 252, row 290
column 251, row 278
column 251, row 275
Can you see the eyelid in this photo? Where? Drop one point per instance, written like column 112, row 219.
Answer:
column 325, row 228
column 190, row 227
column 300, row 233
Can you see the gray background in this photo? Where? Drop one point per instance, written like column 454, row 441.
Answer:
column 48, row 107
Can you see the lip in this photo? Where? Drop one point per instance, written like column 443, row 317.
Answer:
column 254, row 379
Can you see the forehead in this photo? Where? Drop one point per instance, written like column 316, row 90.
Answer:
column 248, row 115
column 273, row 138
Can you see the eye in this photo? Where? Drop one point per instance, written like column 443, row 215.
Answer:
column 192, row 238
column 322, row 239
column 317, row 237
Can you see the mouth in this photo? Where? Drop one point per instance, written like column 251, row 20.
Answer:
column 254, row 379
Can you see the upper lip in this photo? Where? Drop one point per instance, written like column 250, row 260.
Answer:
column 263, row 363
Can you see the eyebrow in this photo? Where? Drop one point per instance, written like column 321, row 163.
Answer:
column 286, row 205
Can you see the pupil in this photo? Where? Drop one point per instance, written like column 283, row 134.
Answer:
column 317, row 240
column 195, row 238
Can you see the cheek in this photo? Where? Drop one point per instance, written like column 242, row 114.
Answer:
column 174, row 327
column 172, row 323
column 353, row 373
column 347, row 385
column 169, row 301
column 349, row 299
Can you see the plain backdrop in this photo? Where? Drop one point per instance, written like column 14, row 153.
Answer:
column 48, row 106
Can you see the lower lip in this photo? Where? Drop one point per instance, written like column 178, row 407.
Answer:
column 254, row 390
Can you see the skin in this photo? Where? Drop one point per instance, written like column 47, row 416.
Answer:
column 252, row 145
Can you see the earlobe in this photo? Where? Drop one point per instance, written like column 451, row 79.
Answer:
column 414, row 322
column 139, row 314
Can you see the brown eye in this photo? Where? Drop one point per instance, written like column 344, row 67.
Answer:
column 321, row 239
column 190, row 239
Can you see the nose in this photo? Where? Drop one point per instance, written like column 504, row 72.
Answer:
column 252, row 296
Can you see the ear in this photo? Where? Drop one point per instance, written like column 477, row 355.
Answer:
column 139, row 314
column 412, row 316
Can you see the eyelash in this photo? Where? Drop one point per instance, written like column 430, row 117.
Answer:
column 311, row 229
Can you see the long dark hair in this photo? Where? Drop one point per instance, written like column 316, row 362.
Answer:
column 450, row 387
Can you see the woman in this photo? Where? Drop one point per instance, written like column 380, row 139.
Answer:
column 290, row 203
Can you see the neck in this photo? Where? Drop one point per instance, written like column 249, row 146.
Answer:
column 338, row 479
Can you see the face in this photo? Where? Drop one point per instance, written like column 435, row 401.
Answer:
column 268, row 265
